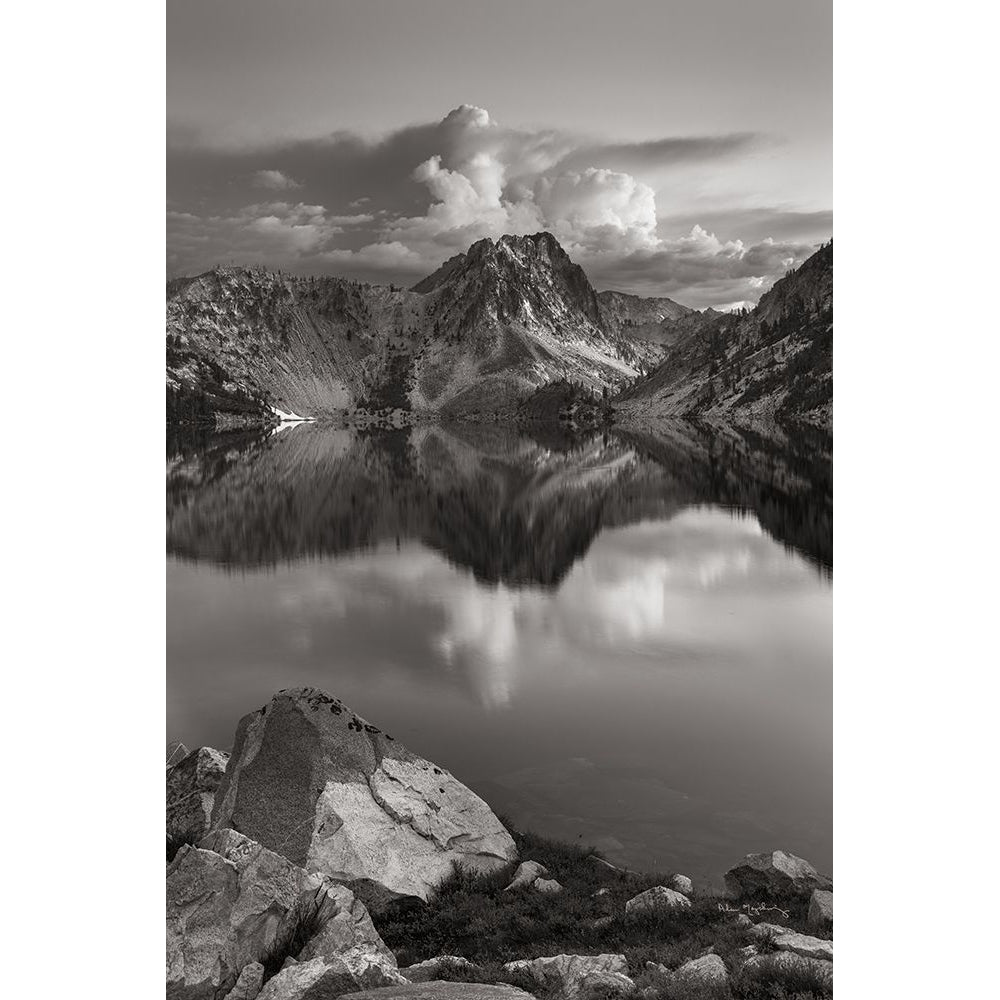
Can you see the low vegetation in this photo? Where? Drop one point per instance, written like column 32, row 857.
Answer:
column 302, row 925
column 474, row 918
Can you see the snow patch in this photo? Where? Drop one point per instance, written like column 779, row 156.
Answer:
column 290, row 417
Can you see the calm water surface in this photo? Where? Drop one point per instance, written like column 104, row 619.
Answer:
column 625, row 641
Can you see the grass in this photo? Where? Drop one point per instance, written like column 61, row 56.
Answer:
column 472, row 917
column 301, row 926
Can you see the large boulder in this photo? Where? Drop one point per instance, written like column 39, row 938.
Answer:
column 314, row 781
column 820, row 909
column 657, row 898
column 191, row 786
column 774, row 874
column 232, row 902
column 566, row 974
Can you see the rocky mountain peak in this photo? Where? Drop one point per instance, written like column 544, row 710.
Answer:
column 524, row 279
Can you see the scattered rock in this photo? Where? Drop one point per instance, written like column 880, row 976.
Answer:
column 443, row 991
column 603, row 891
column 191, row 786
column 249, row 983
column 565, row 973
column 682, row 884
column 804, row 945
column 425, row 972
column 660, row 974
column 785, row 939
column 657, row 898
column 334, row 794
column 742, row 920
column 526, row 874
column 821, row 908
column 776, row 873
column 547, row 885
column 709, row 970
column 764, row 931
column 176, row 752
column 601, row 922
column 745, row 953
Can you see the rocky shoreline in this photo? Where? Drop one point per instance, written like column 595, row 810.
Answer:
column 324, row 859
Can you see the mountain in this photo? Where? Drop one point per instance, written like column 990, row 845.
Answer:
column 479, row 334
column 646, row 319
column 507, row 317
column 775, row 361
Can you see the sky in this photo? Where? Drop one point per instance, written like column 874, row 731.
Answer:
column 674, row 147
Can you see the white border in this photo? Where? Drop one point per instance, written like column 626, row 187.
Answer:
column 916, row 378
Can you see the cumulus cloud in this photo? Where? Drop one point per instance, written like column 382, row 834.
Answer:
column 598, row 208
column 274, row 180
column 699, row 268
column 404, row 203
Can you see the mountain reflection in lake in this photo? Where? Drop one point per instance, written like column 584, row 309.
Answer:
column 625, row 641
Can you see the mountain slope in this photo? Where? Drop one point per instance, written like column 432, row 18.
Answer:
column 310, row 345
column 775, row 361
column 646, row 319
column 481, row 333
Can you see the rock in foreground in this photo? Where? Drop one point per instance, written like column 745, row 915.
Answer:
column 231, row 902
column 567, row 974
column 774, row 874
column 334, row 794
column 191, row 786
column 709, row 970
column 657, row 898
column 431, row 968
column 528, row 872
column 443, row 991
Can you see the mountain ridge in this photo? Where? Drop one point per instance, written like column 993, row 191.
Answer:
column 773, row 362
column 475, row 338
